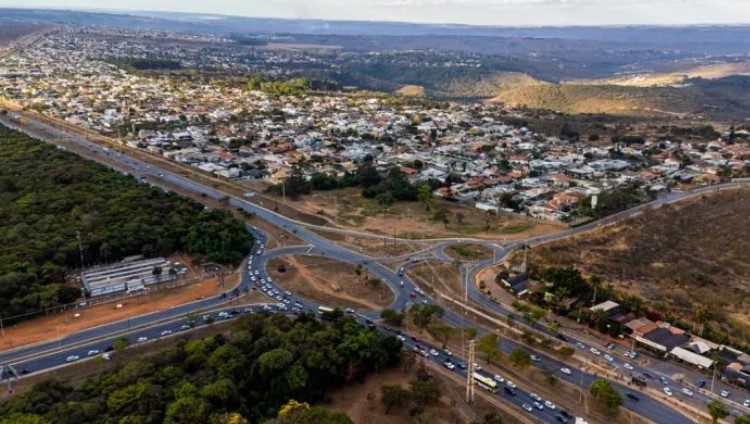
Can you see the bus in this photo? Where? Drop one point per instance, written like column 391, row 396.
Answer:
column 486, row 383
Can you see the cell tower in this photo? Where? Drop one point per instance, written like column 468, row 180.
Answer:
column 470, row 374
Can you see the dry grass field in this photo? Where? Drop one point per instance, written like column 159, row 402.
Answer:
column 691, row 259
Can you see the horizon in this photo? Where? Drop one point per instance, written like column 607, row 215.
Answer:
column 597, row 14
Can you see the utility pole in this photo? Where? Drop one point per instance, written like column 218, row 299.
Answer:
column 80, row 248
column 470, row 374
column 283, row 190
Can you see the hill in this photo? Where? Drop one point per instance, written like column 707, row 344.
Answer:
column 49, row 196
column 723, row 98
column 690, row 261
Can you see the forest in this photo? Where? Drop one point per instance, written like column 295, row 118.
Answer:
column 264, row 371
column 49, row 198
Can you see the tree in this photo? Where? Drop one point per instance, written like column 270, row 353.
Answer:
column 520, row 358
column 187, row 410
column 602, row 390
column 392, row 317
column 424, row 194
column 460, row 217
column 393, row 395
column 442, row 332
column 742, row 419
column 422, row 314
column 489, row 346
column 717, row 410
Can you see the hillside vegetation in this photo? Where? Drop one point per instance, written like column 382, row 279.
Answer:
column 690, row 262
column 248, row 377
column 50, row 196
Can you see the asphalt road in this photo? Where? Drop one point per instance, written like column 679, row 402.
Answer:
column 55, row 353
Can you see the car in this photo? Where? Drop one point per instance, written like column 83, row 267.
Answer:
column 687, row 391
column 566, row 414
column 724, row 393
column 667, row 391
column 633, row 355
column 700, row 383
column 608, row 357
column 526, row 407
column 448, row 352
column 580, row 345
column 462, row 365
column 142, row 339
column 477, row 367
column 449, row 365
column 535, row 358
column 185, row 327
column 412, row 294
column 561, row 337
column 561, row 419
column 92, row 352
column 535, row 396
column 510, row 384
column 610, row 346
column 663, row 380
column 628, row 366
column 633, row 396
column 595, row 351
column 71, row 358
column 401, row 283
column 107, row 356
column 509, row 390
column 538, row 405
column 25, row 371
column 424, row 353
column 166, row 332
column 746, row 403
column 288, row 293
column 498, row 378
column 565, row 370
column 649, row 376
column 434, row 352
column 549, row 404
column 401, row 338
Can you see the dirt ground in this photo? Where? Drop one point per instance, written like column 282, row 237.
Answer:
column 361, row 402
column 62, row 324
column 346, row 208
column 375, row 247
column 329, row 282
column 442, row 277
column 468, row 252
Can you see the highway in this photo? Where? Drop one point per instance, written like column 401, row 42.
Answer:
column 50, row 354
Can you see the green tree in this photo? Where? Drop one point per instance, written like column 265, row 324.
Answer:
column 742, row 419
column 520, row 358
column 717, row 410
column 602, row 390
column 392, row 317
column 442, row 332
column 393, row 395
column 489, row 346
column 187, row 410
column 424, row 194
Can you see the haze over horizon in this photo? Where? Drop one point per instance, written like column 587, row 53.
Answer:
column 471, row 12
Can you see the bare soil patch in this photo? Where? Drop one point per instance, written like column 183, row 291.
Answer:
column 330, row 282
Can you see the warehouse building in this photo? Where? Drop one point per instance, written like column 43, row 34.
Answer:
column 132, row 274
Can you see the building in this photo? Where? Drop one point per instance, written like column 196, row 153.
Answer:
column 129, row 275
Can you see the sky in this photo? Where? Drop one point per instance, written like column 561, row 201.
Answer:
column 480, row 12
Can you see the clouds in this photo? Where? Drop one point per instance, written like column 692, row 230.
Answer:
column 483, row 12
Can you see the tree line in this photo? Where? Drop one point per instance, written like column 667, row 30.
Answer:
column 52, row 200
column 249, row 376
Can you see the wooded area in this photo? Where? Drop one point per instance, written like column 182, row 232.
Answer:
column 48, row 196
column 251, row 376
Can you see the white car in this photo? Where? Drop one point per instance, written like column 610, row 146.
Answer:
column 166, row 332
column 142, row 339
column 628, row 366
column 510, row 384
column 526, row 407
column 449, row 365
column 185, row 327
column 535, row 358
column 595, row 351
column 608, row 357
column 535, row 396
column 401, row 338
column 92, row 352
column 434, row 352
column 565, row 370
column 549, row 404
column 667, row 391
column 498, row 378
column 538, row 405
column 724, row 393
column 687, row 391
column 746, row 403
column 71, row 358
